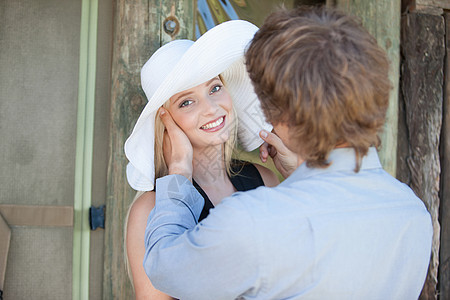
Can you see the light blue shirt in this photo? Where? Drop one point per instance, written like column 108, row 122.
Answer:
column 320, row 234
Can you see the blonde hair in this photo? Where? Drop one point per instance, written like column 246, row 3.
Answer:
column 160, row 163
column 161, row 168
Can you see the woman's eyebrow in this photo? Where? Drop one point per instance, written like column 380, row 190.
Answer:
column 181, row 96
column 211, row 80
column 188, row 93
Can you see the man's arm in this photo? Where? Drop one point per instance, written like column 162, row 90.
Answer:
column 216, row 259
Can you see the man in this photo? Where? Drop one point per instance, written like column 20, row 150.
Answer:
column 338, row 227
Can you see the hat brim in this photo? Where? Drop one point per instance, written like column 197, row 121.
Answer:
column 219, row 51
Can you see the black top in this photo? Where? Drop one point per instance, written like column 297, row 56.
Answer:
column 246, row 178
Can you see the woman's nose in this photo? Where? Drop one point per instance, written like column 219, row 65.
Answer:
column 210, row 105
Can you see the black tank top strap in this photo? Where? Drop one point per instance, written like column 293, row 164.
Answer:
column 208, row 204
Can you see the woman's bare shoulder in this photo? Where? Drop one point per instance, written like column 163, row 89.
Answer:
column 137, row 221
column 141, row 207
column 269, row 177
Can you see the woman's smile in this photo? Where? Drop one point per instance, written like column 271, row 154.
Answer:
column 204, row 113
column 214, row 125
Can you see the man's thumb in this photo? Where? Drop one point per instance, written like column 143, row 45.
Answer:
column 272, row 139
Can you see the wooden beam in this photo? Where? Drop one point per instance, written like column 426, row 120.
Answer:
column 5, row 238
column 423, row 52
column 133, row 42
column 444, row 259
column 138, row 32
column 382, row 19
column 440, row 4
column 37, row 215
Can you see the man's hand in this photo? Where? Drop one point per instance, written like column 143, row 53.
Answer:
column 177, row 148
column 284, row 159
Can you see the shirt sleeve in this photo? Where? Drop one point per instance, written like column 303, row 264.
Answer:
column 215, row 259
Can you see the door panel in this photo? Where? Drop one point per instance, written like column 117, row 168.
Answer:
column 39, row 263
column 39, row 55
column 39, row 73
column 38, row 81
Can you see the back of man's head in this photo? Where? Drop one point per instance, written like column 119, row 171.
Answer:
column 323, row 74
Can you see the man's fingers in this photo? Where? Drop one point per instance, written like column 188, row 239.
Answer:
column 264, row 152
column 273, row 140
column 272, row 151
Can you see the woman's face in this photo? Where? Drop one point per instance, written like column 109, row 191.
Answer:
column 204, row 113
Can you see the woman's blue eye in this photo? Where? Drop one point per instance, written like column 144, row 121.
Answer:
column 215, row 89
column 185, row 103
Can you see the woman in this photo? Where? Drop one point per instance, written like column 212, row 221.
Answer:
column 205, row 88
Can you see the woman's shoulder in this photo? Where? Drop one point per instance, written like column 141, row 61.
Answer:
column 269, row 177
column 141, row 206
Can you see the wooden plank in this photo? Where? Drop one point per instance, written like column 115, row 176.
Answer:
column 133, row 42
column 37, row 215
column 183, row 12
column 5, row 240
column 138, row 32
column 382, row 19
column 422, row 88
column 444, row 4
column 444, row 260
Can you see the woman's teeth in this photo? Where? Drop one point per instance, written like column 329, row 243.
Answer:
column 213, row 124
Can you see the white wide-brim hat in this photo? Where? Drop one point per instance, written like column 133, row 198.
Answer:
column 183, row 64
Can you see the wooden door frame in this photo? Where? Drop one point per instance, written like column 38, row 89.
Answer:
column 84, row 149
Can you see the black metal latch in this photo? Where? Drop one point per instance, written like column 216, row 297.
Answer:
column 97, row 217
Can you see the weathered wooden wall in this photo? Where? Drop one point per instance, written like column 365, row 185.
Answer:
column 138, row 32
column 423, row 49
column 382, row 19
column 419, row 133
column 444, row 266
column 425, row 5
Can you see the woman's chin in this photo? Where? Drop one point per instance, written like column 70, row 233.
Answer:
column 220, row 139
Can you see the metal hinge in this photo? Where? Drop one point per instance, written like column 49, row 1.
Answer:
column 97, row 217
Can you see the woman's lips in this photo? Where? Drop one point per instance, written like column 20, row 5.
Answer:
column 215, row 125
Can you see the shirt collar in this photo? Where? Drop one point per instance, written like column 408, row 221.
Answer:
column 341, row 159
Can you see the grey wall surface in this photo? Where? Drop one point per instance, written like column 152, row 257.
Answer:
column 39, row 66
column 39, row 54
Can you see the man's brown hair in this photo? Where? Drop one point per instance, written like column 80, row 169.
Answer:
column 319, row 71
